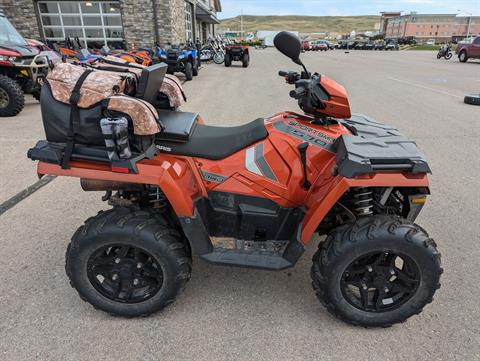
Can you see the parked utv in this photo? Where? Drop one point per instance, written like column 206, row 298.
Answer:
column 180, row 59
column 237, row 53
column 21, row 68
column 248, row 196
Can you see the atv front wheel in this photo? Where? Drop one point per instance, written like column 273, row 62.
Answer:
column 377, row 271
column 195, row 67
column 188, row 71
column 12, row 99
column 127, row 263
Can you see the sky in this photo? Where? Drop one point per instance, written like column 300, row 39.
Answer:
column 232, row 8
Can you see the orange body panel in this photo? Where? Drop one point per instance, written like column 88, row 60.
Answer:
column 338, row 105
column 183, row 182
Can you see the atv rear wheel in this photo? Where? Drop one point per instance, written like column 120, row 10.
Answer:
column 188, row 71
column 228, row 60
column 12, row 99
column 245, row 60
column 127, row 263
column 377, row 271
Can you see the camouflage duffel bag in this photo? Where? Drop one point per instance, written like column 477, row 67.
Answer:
column 74, row 100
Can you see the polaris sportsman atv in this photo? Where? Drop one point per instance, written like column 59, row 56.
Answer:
column 237, row 53
column 180, row 59
column 247, row 196
column 21, row 68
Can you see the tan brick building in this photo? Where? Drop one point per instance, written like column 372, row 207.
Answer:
column 133, row 23
column 440, row 27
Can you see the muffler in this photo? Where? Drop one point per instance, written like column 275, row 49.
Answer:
column 96, row 185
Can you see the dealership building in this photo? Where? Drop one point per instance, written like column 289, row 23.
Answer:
column 440, row 27
column 135, row 23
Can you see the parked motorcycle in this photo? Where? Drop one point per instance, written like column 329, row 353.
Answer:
column 214, row 50
column 445, row 52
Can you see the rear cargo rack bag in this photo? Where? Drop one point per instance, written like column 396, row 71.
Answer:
column 74, row 118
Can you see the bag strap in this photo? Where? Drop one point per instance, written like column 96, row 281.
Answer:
column 74, row 118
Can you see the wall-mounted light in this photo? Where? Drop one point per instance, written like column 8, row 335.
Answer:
column 88, row 4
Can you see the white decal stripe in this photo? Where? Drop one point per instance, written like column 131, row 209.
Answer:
column 250, row 161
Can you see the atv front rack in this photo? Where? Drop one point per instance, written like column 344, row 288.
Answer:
column 375, row 147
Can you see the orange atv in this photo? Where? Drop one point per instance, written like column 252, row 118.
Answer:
column 248, row 196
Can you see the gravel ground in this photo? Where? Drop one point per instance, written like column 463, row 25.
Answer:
column 241, row 314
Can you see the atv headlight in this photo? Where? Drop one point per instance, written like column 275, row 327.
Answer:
column 7, row 58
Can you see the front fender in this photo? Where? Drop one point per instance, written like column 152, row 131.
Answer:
column 323, row 197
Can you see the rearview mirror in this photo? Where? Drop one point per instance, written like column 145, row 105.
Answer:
column 289, row 45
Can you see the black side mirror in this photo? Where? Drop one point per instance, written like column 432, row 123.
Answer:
column 289, row 45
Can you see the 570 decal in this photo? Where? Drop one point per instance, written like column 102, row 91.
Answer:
column 306, row 134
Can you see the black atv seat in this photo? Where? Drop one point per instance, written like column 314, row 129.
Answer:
column 183, row 136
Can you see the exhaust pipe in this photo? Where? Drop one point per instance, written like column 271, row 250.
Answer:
column 96, row 185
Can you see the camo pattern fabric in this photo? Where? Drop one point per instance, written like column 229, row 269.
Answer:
column 172, row 88
column 113, row 61
column 96, row 87
column 144, row 116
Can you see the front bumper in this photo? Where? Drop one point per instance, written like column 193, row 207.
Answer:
column 33, row 69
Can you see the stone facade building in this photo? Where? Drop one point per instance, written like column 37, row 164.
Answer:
column 127, row 23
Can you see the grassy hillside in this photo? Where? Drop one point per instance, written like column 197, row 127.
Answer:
column 303, row 24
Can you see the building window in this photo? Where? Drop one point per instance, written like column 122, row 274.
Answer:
column 94, row 23
column 189, row 21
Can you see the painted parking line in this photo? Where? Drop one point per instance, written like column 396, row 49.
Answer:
column 426, row 88
column 17, row 198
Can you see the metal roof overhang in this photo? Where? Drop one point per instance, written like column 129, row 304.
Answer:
column 206, row 16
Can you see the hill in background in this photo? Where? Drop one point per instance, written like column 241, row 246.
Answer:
column 303, row 24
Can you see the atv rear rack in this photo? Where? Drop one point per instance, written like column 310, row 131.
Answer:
column 53, row 153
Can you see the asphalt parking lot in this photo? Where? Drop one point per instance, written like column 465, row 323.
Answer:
column 240, row 314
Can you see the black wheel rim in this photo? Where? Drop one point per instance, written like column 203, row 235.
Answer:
column 124, row 273
column 380, row 281
column 4, row 98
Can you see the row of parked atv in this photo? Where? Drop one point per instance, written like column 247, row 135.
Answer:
column 25, row 62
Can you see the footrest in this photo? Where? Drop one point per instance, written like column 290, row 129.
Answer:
column 251, row 259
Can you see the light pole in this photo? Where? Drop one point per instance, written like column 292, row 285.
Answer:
column 469, row 21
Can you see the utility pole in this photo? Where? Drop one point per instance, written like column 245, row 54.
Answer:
column 469, row 21
column 241, row 24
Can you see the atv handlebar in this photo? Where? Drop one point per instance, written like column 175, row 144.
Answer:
column 305, row 91
column 297, row 93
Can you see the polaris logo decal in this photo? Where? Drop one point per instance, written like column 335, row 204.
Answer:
column 212, row 177
column 306, row 134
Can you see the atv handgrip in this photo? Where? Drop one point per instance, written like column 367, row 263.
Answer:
column 297, row 93
column 283, row 73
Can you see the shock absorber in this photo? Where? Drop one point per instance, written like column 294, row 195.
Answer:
column 157, row 198
column 362, row 200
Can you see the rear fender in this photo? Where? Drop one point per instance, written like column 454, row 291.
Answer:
column 175, row 177
column 324, row 196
